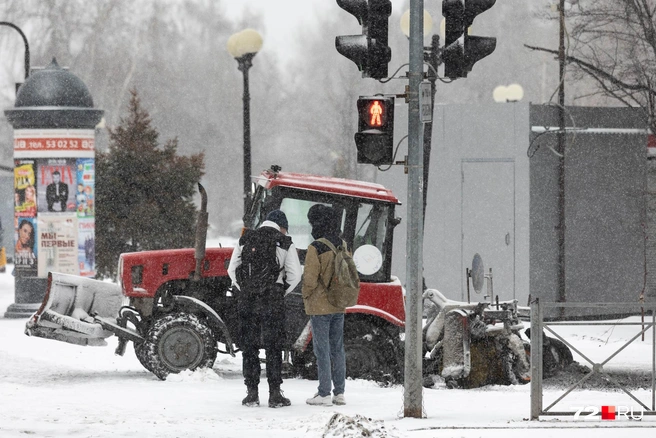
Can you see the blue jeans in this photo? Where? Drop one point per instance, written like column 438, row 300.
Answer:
column 328, row 346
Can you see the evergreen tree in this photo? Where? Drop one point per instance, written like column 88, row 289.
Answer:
column 144, row 192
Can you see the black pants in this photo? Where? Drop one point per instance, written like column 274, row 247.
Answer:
column 262, row 325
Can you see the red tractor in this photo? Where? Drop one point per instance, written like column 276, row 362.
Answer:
column 177, row 305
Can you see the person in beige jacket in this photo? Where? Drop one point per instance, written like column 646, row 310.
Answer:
column 327, row 320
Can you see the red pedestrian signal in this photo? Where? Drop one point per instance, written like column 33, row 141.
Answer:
column 375, row 136
column 375, row 113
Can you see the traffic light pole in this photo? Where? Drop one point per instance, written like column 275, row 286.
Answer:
column 413, row 396
column 432, row 58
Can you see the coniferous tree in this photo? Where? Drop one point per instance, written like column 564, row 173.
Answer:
column 144, row 192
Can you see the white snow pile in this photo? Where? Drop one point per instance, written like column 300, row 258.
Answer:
column 455, row 371
column 343, row 426
column 200, row 375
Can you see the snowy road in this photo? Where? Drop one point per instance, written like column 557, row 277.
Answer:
column 53, row 389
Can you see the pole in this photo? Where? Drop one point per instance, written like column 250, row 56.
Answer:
column 413, row 334
column 244, row 63
column 537, row 316
column 562, row 296
column 434, row 61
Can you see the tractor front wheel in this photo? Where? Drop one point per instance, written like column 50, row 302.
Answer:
column 141, row 352
column 177, row 342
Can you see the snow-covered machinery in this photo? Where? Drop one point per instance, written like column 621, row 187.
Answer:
column 475, row 344
column 65, row 312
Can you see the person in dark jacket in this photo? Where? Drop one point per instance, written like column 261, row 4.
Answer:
column 327, row 320
column 262, row 312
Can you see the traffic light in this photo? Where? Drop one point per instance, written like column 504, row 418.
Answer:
column 368, row 51
column 462, row 51
column 375, row 136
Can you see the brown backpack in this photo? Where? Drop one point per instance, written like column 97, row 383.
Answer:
column 344, row 286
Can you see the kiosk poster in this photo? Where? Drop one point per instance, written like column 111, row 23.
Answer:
column 54, row 185
column 56, row 179
column 24, row 188
column 84, row 195
column 57, row 241
column 86, row 247
column 25, row 252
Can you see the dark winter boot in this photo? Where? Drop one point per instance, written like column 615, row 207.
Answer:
column 252, row 399
column 277, row 399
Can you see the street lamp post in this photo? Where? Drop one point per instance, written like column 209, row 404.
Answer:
column 27, row 46
column 243, row 46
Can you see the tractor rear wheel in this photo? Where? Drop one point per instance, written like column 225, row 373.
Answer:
column 372, row 352
column 177, row 342
column 305, row 364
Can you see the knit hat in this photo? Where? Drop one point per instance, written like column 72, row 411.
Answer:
column 324, row 221
column 317, row 214
column 324, row 216
column 278, row 217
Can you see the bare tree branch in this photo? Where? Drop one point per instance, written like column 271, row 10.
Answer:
column 609, row 77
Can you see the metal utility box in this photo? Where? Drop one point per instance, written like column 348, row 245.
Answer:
column 605, row 181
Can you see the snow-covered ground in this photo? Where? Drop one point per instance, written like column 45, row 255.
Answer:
column 53, row 389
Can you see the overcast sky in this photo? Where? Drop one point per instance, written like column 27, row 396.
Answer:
column 282, row 17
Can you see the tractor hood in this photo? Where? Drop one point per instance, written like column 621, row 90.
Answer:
column 142, row 273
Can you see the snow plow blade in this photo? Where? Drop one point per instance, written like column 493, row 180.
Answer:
column 68, row 310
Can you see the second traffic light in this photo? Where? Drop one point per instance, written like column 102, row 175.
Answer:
column 369, row 51
column 462, row 51
column 375, row 136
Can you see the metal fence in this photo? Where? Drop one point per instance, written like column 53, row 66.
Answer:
column 539, row 326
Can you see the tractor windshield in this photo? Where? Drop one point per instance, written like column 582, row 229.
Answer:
column 367, row 225
column 258, row 208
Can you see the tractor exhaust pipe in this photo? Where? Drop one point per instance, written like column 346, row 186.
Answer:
column 201, row 233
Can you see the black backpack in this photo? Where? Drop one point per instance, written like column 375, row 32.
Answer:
column 259, row 267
